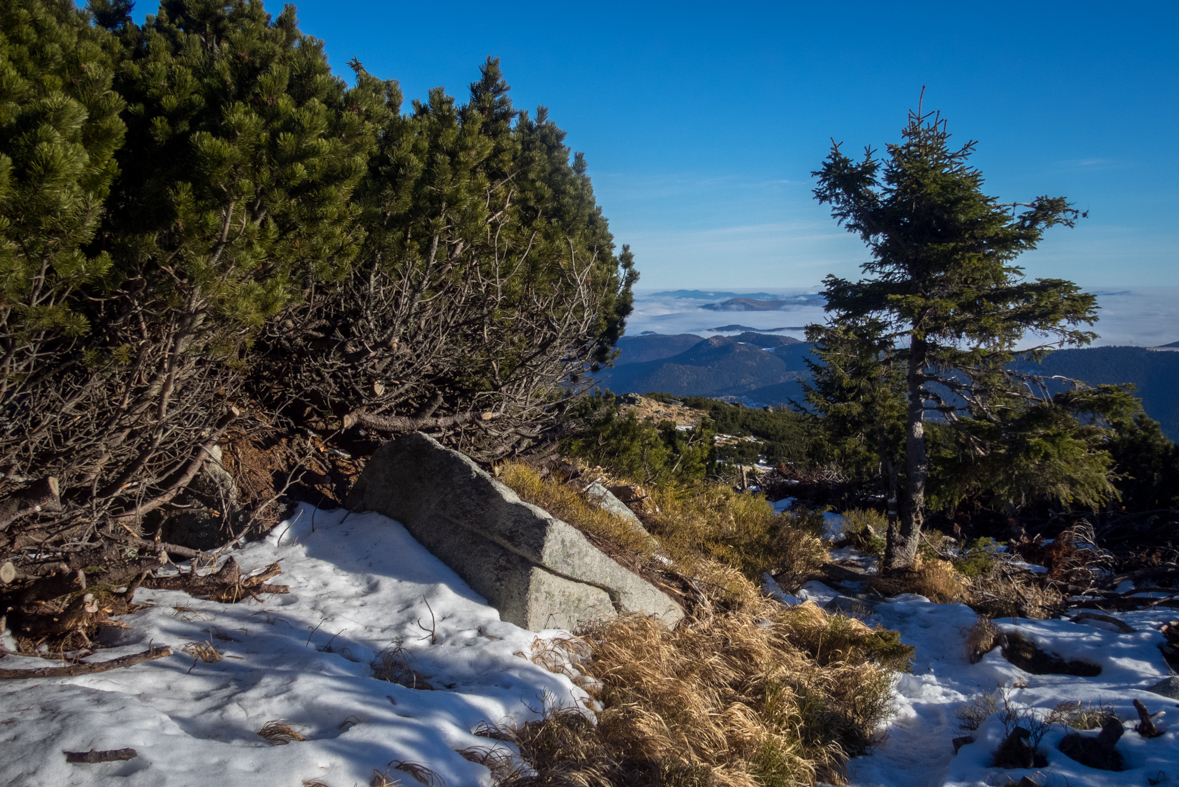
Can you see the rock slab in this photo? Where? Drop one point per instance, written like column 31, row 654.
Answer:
column 538, row 571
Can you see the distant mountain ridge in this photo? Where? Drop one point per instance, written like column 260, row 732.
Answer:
column 769, row 369
column 712, row 295
column 746, row 303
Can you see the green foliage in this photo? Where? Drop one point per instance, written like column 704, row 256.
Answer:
column 487, row 281
column 638, row 449
column 865, row 529
column 977, row 558
column 943, row 308
column 59, row 130
column 242, row 153
column 1053, row 450
column 197, row 201
column 1147, row 463
column 859, row 395
column 785, row 436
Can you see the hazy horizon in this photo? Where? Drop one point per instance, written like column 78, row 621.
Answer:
column 1131, row 316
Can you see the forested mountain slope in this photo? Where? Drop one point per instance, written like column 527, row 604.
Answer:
column 686, row 365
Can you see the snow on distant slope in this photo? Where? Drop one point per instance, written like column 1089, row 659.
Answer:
column 358, row 584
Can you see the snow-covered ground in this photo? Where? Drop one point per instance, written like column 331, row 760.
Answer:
column 360, row 584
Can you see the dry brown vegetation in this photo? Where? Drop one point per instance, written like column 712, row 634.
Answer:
column 710, row 532
column 743, row 692
column 568, row 504
column 934, row 579
column 766, row 695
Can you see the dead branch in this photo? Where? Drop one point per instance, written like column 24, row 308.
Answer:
column 92, row 756
column 74, row 670
column 404, row 424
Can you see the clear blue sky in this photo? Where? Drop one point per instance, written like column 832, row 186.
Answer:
column 701, row 122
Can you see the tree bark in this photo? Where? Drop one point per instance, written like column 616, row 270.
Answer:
column 901, row 549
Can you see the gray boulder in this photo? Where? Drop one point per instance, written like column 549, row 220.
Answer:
column 604, row 499
column 538, row 571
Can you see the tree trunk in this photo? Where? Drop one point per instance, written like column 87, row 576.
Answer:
column 901, row 550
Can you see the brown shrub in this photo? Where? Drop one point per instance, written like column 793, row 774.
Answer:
column 983, row 637
column 764, row 696
column 934, row 579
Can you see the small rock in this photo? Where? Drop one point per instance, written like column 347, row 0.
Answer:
column 1168, row 687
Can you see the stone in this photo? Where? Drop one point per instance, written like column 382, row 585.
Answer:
column 1168, row 687
column 538, row 571
column 604, row 499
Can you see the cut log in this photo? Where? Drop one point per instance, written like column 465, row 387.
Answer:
column 111, row 755
column 87, row 669
column 7, row 572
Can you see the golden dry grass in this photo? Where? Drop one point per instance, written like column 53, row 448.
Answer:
column 1082, row 715
column 934, row 579
column 767, row 695
column 203, row 651
column 279, row 733
column 392, row 665
column 569, row 505
column 983, row 637
column 707, row 529
column 710, row 522
column 743, row 692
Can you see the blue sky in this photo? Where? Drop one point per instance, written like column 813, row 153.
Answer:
column 701, row 123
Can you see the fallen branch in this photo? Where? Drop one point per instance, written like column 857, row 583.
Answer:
column 111, row 755
column 87, row 669
column 1121, row 625
column 226, row 585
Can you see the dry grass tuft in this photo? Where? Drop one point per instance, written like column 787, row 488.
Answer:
column 392, row 665
column 203, row 651
column 1082, row 715
column 712, row 522
column 505, row 767
column 380, row 779
column 315, row 783
column 972, row 713
column 764, row 696
column 279, row 733
column 934, row 579
column 569, row 505
column 1012, row 594
column 420, row 773
column 983, row 637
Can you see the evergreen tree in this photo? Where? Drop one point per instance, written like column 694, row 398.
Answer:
column 59, row 132
column 859, row 395
column 232, row 194
column 943, row 287
column 486, row 283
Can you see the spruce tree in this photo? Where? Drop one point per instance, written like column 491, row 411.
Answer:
column 943, row 286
